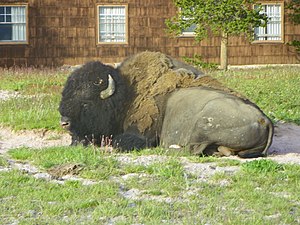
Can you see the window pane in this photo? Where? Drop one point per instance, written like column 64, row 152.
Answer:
column 191, row 29
column 5, row 32
column 8, row 18
column 8, row 10
column 1, row 10
column 2, row 18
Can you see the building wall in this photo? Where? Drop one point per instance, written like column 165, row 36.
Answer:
column 64, row 32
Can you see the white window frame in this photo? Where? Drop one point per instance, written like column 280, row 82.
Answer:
column 275, row 24
column 186, row 33
column 19, row 26
column 103, row 28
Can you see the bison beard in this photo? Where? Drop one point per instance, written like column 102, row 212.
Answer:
column 141, row 105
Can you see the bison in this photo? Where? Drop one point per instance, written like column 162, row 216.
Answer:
column 152, row 99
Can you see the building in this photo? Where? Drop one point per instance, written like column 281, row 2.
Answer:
column 58, row 32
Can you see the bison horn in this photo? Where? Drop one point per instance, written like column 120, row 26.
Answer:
column 110, row 90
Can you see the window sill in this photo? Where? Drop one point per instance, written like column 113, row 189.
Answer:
column 111, row 43
column 187, row 35
column 13, row 43
column 268, row 42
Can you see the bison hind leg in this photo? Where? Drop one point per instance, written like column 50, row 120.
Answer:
column 225, row 151
column 210, row 149
column 251, row 153
column 203, row 148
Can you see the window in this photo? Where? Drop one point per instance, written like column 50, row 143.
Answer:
column 190, row 31
column 273, row 31
column 13, row 21
column 112, row 24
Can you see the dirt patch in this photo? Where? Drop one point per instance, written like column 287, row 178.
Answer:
column 5, row 95
column 286, row 139
column 10, row 139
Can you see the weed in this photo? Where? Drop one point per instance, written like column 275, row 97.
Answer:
column 262, row 166
column 198, row 62
column 228, row 162
column 3, row 161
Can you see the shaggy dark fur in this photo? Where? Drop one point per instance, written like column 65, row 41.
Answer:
column 84, row 113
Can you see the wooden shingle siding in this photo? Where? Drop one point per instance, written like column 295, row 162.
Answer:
column 65, row 32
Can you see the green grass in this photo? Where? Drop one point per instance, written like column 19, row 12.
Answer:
column 31, row 201
column 262, row 166
column 3, row 161
column 32, row 81
column 262, row 192
column 31, row 112
column 96, row 166
column 40, row 95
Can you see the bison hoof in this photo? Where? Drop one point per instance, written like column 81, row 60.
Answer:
column 175, row 146
column 224, row 151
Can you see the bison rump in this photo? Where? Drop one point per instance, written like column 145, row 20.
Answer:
column 205, row 119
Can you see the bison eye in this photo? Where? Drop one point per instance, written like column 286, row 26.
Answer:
column 84, row 107
column 99, row 82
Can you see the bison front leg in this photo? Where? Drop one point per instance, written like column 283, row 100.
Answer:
column 131, row 141
column 198, row 148
column 75, row 140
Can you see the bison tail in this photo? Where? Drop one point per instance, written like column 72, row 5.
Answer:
column 270, row 138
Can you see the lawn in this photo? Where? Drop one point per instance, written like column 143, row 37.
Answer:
column 150, row 186
column 164, row 191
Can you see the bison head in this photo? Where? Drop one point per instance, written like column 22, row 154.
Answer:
column 93, row 102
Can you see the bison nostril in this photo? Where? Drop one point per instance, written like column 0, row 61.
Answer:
column 65, row 124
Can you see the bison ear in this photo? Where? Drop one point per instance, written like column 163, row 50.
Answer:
column 110, row 90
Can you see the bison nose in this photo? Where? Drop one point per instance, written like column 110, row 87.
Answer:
column 65, row 123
